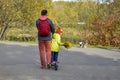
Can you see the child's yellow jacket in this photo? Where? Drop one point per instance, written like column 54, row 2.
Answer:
column 56, row 42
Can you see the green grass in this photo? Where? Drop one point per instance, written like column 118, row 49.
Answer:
column 105, row 47
column 74, row 45
column 29, row 42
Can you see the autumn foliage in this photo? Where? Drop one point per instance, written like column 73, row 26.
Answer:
column 98, row 24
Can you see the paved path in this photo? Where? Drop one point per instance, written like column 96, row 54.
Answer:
column 21, row 62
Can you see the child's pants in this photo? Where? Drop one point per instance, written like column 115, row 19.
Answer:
column 54, row 56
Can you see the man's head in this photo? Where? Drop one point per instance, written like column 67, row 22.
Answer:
column 44, row 12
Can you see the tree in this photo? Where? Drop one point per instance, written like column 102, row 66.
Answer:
column 6, row 15
column 105, row 30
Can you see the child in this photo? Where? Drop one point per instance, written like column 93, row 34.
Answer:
column 55, row 47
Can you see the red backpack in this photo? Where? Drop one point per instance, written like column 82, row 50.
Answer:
column 44, row 28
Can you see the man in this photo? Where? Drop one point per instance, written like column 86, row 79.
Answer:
column 44, row 38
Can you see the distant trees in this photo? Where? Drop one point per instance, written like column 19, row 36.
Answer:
column 17, row 18
column 106, row 29
column 99, row 24
column 7, row 13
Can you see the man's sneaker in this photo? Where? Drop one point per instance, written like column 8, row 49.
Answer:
column 48, row 66
column 42, row 67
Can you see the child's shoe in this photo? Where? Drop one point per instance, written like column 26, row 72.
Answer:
column 52, row 65
column 56, row 66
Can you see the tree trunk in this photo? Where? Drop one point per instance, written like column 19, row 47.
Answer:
column 3, row 32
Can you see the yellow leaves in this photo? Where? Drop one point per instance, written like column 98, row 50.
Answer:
column 67, row 44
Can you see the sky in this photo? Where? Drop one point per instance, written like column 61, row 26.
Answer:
column 81, row 0
column 63, row 0
column 68, row 0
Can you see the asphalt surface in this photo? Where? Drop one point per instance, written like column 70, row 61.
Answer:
column 19, row 61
